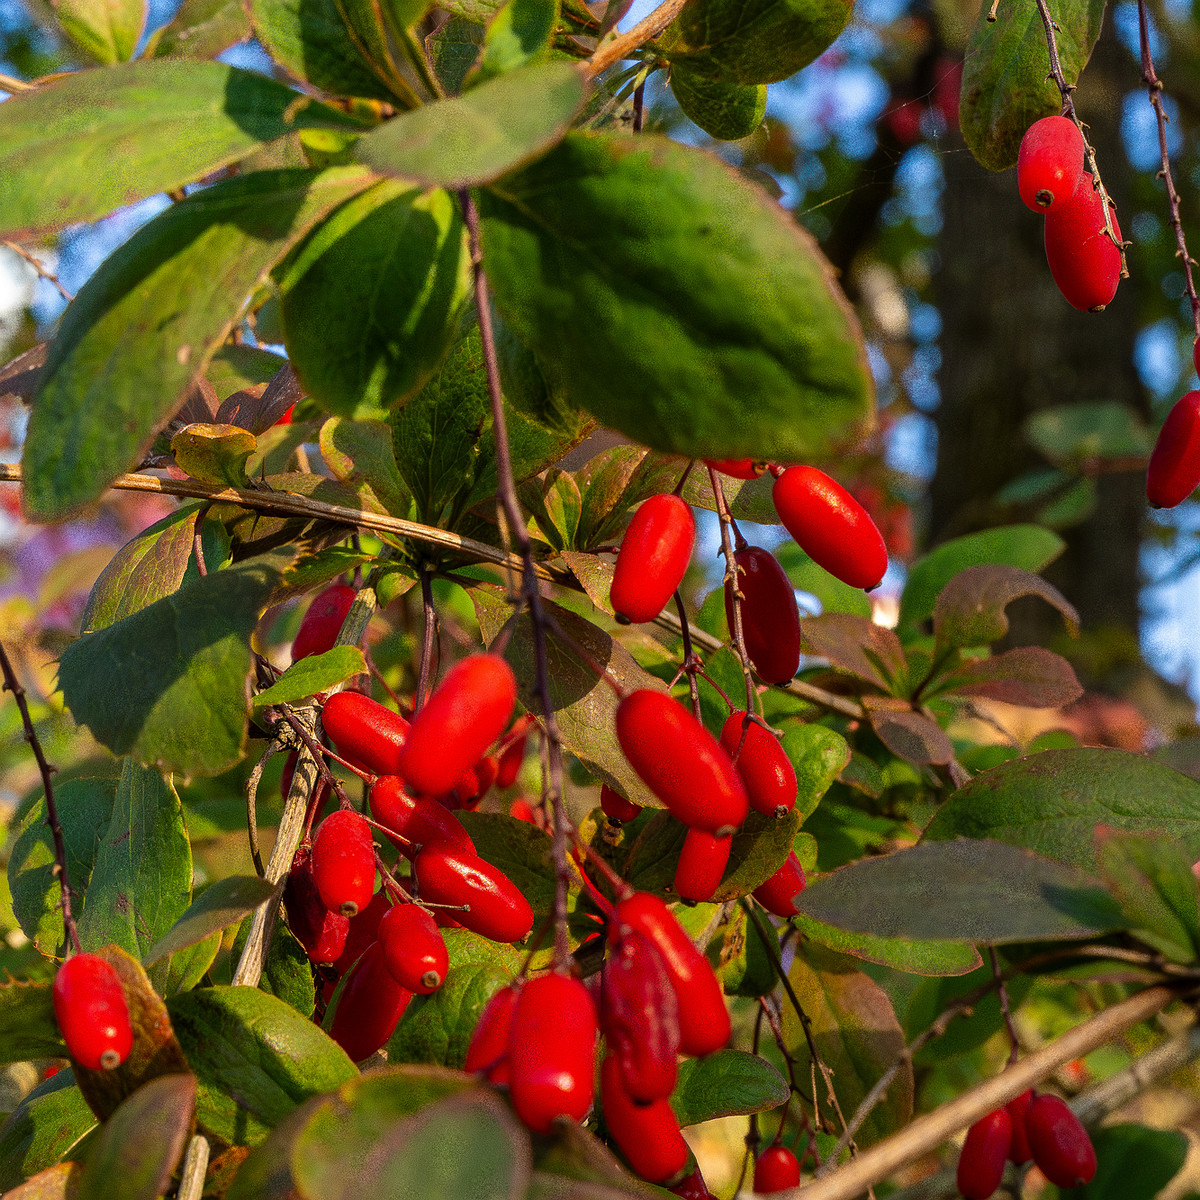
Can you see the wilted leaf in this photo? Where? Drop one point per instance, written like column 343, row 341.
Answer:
column 214, row 454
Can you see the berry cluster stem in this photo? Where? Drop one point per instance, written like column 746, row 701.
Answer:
column 731, row 573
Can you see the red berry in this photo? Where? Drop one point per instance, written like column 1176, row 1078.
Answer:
column 737, row 468
column 653, row 558
column 462, row 718
column 92, row 1014
column 692, row 1187
column 419, row 820
column 830, row 526
column 1018, row 1110
column 364, row 732
column 770, row 618
column 647, row 1134
column 1174, row 470
column 766, row 771
column 1059, row 1143
column 552, row 1051
column 703, row 1018
column 524, row 811
column 616, row 808
column 321, row 932
column 776, row 1170
column 681, row 762
column 702, row 863
column 369, row 1007
column 414, row 949
column 323, row 621
column 984, row 1153
column 363, row 930
column 488, row 1050
column 513, row 753
column 497, row 910
column 1196, row 355
column 343, row 862
column 1085, row 263
column 1049, row 163
column 778, row 894
column 472, row 785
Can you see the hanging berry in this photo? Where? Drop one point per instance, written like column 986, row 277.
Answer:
column 653, row 558
column 1058, row 1142
column 776, row 1170
column 1174, row 471
column 984, row 1153
column 364, row 732
column 647, row 1134
column 414, row 949
column 701, row 865
column 770, row 618
column 343, row 862
column 1084, row 261
column 765, row 769
column 1049, row 163
column 323, row 622
column 92, row 1013
column 496, row 907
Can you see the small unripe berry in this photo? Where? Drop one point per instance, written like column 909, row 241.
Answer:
column 778, row 894
column 616, row 808
column 647, row 1134
column 702, row 863
column 1059, row 1143
column 364, row 732
column 323, row 622
column 343, row 862
column 776, row 1170
column 414, row 949
column 92, row 1013
column 1174, row 470
column 770, row 618
column 984, row 1153
column 765, row 769
column 497, row 908
column 1049, row 163
column 653, row 558
column 1085, row 263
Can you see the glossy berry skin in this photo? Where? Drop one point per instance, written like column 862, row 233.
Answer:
column 776, row 1170
column 1084, row 262
column 322, row 933
column 984, row 1153
column 737, row 468
column 552, row 1051
column 1174, row 471
column 653, row 558
column 647, row 1134
column 703, row 1018
column 616, row 808
column 343, row 862
column 488, row 1050
column 778, row 894
column 513, row 754
column 765, row 769
column 92, row 1013
column 323, row 621
column 770, row 618
column 830, row 526
column 702, row 863
column 472, row 785
column 498, row 910
column 418, row 820
column 1049, row 163
column 1018, row 1110
column 462, row 718
column 364, row 732
column 681, row 762
column 414, row 949
column 1059, row 1143
column 369, row 1006
column 363, row 930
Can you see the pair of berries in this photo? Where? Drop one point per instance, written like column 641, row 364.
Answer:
column 1084, row 260
column 92, row 1013
column 1039, row 1127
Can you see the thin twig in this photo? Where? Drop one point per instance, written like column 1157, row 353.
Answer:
column 9, row 83
column 691, row 663
column 1005, row 1010
column 42, row 273
column 623, row 44
column 195, row 1167
column 731, row 577
column 427, row 640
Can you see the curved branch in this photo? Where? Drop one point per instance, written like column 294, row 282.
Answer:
column 623, row 45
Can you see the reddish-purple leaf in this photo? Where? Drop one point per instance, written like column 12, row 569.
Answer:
column 909, row 734
column 856, row 645
column 1029, row 675
column 970, row 609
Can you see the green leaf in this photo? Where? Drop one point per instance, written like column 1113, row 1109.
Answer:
column 856, row 1033
column 729, row 1083
column 1027, row 547
column 201, row 29
column 256, row 1059
column 453, row 49
column 80, row 146
column 142, row 875
column 184, row 665
column 107, row 29
column 437, row 1028
column 316, row 673
column 43, row 1129
column 970, row 608
column 359, row 453
column 235, row 367
column 521, row 851
column 215, row 454
column 746, row 968
column 818, row 755
column 146, row 323
column 1133, row 1162
column 220, row 905
column 518, row 34
column 371, row 300
column 695, row 316
column 1077, row 434
column 1006, row 84
column 142, row 1143
column 475, row 138
column 963, row 891
column 27, row 1025
column 1053, row 801
column 724, row 110
column 902, row 954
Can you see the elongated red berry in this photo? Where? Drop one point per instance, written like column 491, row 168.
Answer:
column 1196, row 355
column 770, row 618
column 414, row 948
column 778, row 894
column 1059, row 1143
column 681, row 762
column 92, row 1013
column 513, row 754
column 497, row 908
column 766, row 771
column 418, row 820
column 653, row 558
column 462, row 718
column 646, row 1134
column 472, row 785
column 830, row 526
column 552, row 1051
column 1049, row 163
column 363, row 930
column 701, row 865
column 776, row 1170
column 984, row 1153
column 323, row 621
column 364, row 732
column 343, row 862
column 1084, row 261
column 737, row 468
column 321, row 932
column 1174, row 471
column 369, row 1007
column 703, row 1018
column 1018, row 1110
column 488, row 1050
column 616, row 808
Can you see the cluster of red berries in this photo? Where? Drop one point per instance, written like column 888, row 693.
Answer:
column 1084, row 260
column 92, row 1013
column 1174, row 470
column 1030, row 1126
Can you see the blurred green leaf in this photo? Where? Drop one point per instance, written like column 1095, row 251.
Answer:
column 728, row 1083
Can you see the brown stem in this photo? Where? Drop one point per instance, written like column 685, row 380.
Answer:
column 623, row 44
column 427, row 640
column 731, row 576
column 1005, row 1009
column 42, row 273
column 691, row 664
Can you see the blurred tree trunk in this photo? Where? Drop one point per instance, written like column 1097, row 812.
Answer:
column 1012, row 346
